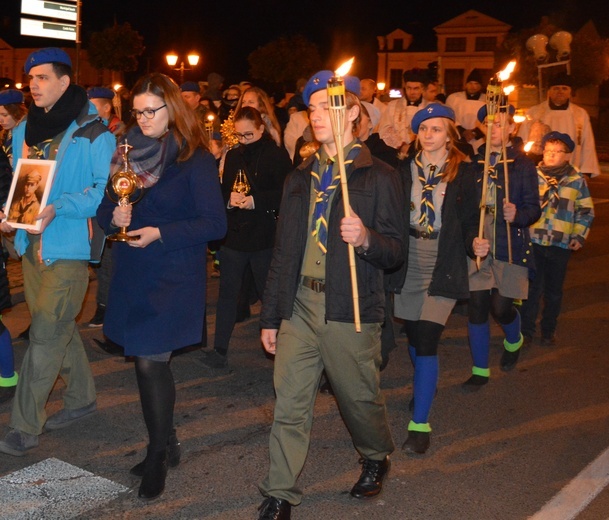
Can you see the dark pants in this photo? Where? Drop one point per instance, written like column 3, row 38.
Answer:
column 232, row 271
column 551, row 269
column 104, row 274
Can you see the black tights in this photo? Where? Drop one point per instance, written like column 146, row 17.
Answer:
column 157, row 395
column 483, row 302
column 424, row 336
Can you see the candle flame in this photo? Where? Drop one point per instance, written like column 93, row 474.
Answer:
column 344, row 68
column 509, row 89
column 528, row 146
column 519, row 118
column 210, row 117
column 505, row 73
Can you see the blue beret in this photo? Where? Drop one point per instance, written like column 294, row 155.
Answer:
column 482, row 112
column 190, row 86
column 319, row 81
column 429, row 112
column 560, row 137
column 100, row 92
column 10, row 97
column 47, row 55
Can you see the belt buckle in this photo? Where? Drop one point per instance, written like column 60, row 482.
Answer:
column 424, row 234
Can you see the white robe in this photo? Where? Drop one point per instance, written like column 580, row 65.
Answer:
column 575, row 122
column 394, row 126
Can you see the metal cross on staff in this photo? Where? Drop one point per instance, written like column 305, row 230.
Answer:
column 494, row 98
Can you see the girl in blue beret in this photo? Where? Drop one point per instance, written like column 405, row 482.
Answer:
column 440, row 184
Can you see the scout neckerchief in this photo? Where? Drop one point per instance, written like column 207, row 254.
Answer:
column 552, row 177
column 491, row 192
column 428, row 213
column 324, row 186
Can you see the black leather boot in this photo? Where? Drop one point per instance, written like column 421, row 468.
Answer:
column 274, row 509
column 174, row 453
column 370, row 482
column 155, row 472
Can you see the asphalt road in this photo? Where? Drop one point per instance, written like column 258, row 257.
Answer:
column 499, row 454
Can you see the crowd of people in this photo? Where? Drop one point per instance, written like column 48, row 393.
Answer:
column 429, row 203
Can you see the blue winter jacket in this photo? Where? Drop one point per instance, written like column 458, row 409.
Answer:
column 81, row 174
column 524, row 195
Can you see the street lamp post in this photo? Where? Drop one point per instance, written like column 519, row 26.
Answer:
column 172, row 60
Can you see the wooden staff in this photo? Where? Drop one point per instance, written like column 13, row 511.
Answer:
column 493, row 91
column 505, row 161
column 338, row 107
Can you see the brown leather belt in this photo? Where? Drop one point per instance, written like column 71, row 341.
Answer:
column 313, row 284
column 423, row 234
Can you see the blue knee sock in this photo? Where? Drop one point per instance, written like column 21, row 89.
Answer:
column 7, row 360
column 479, row 339
column 425, row 383
column 512, row 330
column 413, row 355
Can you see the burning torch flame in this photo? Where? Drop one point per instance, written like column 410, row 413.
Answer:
column 528, row 146
column 519, row 118
column 344, row 69
column 505, row 73
column 210, row 117
column 508, row 90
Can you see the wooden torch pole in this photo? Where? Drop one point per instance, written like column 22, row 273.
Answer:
column 338, row 108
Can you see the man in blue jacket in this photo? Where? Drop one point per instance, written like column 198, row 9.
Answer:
column 62, row 126
column 307, row 317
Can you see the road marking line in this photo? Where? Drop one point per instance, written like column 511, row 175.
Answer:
column 54, row 489
column 577, row 494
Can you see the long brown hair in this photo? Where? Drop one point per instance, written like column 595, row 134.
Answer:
column 17, row 111
column 183, row 123
column 265, row 106
column 455, row 156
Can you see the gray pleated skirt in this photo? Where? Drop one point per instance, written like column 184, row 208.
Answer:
column 414, row 303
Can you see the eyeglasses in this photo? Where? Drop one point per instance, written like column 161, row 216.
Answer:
column 245, row 135
column 148, row 113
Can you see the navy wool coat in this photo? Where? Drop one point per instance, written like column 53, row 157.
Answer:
column 156, row 300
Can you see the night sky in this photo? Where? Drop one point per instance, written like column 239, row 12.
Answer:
column 225, row 32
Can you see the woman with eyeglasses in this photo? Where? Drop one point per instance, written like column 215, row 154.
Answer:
column 156, row 299
column 252, row 208
column 257, row 98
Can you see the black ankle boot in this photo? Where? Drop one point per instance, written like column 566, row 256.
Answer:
column 274, row 509
column 370, row 482
column 155, row 472
column 174, row 453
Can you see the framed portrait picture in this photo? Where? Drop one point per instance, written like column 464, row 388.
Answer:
column 29, row 192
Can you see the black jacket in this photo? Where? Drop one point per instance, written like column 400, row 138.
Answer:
column 266, row 166
column 376, row 197
column 460, row 218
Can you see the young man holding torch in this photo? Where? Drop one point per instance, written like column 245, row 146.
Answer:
column 308, row 316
